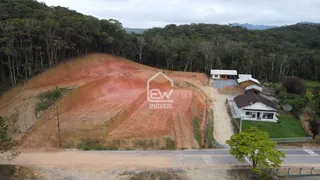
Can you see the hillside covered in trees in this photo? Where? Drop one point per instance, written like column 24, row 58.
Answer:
column 34, row 37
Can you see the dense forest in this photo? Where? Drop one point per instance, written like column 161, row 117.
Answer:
column 34, row 37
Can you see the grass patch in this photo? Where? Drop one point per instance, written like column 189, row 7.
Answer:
column 288, row 127
column 94, row 144
column 196, row 130
column 145, row 143
column 311, row 84
column 170, row 143
column 48, row 98
column 209, row 130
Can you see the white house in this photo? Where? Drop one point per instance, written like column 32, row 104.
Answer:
column 251, row 106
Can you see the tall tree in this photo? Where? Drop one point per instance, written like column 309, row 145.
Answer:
column 34, row 37
column 141, row 43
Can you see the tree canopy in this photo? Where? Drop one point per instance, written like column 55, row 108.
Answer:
column 255, row 145
column 294, row 85
column 314, row 126
column 316, row 98
column 34, row 37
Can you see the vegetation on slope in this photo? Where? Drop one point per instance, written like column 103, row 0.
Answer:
column 209, row 129
column 34, row 37
column 48, row 98
column 196, row 130
column 7, row 144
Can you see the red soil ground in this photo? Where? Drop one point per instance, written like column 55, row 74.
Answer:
column 108, row 101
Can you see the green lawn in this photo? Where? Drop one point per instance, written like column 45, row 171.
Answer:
column 311, row 84
column 289, row 127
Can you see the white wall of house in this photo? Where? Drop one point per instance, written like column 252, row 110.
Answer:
column 259, row 111
column 251, row 112
column 260, row 115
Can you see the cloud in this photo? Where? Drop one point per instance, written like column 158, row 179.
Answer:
column 158, row 13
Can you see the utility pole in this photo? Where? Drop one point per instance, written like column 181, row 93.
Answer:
column 58, row 124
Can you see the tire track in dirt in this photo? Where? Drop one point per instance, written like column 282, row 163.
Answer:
column 27, row 117
column 24, row 105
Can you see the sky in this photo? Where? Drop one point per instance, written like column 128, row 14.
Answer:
column 158, row 13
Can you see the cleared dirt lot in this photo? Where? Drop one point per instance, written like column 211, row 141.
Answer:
column 107, row 102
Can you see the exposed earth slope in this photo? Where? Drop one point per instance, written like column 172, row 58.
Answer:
column 107, row 105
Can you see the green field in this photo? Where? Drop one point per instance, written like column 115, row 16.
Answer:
column 311, row 84
column 288, row 128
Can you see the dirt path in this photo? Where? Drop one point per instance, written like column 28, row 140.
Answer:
column 222, row 123
column 90, row 160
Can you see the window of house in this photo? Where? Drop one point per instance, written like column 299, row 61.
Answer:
column 216, row 76
column 267, row 116
column 248, row 113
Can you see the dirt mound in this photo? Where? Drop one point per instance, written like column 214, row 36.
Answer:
column 86, row 69
column 108, row 102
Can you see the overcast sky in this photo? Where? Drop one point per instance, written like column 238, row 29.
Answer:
column 158, row 13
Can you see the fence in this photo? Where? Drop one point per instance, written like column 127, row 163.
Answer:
column 294, row 172
column 236, row 121
column 298, row 139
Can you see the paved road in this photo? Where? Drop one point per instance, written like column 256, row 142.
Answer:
column 153, row 159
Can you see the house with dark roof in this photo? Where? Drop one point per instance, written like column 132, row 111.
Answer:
column 254, row 88
column 251, row 106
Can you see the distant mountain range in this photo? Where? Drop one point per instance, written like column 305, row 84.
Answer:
column 263, row 27
column 245, row 25
column 253, row 27
column 135, row 30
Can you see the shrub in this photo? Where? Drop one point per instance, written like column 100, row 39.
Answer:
column 314, row 125
column 140, row 143
column 294, row 85
column 92, row 144
column 170, row 143
column 297, row 103
column 145, row 143
column 315, row 97
column 48, row 98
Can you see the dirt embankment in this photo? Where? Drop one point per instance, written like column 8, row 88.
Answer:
column 108, row 102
